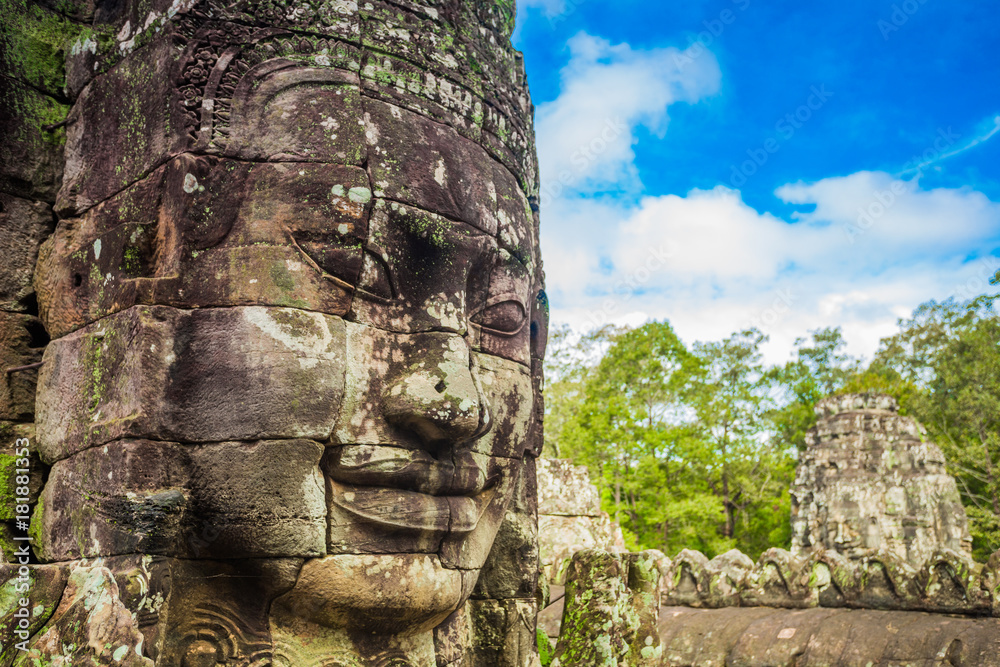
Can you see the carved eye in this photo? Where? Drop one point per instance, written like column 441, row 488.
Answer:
column 506, row 317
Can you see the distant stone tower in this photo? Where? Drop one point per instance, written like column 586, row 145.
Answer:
column 869, row 480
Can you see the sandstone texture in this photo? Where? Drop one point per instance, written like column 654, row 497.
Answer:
column 272, row 324
column 821, row 637
column 870, row 481
column 570, row 518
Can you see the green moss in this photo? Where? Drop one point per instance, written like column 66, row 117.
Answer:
column 36, row 42
column 35, row 529
column 545, row 652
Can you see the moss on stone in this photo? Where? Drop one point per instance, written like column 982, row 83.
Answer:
column 545, row 653
column 35, row 43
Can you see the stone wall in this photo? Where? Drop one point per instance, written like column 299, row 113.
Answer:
column 870, row 480
column 570, row 518
column 817, row 609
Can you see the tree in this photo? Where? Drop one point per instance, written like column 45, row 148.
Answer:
column 627, row 418
column 819, row 370
column 748, row 474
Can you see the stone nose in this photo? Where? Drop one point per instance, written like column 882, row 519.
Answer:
column 435, row 395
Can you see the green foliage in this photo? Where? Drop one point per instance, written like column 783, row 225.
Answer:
column 820, row 368
column 671, row 436
column 696, row 448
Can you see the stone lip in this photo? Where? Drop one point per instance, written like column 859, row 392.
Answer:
column 405, row 469
column 834, row 405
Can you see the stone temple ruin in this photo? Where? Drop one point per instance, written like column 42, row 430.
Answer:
column 272, row 323
column 906, row 593
column 869, row 480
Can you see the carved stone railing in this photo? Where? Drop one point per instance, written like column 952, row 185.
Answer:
column 948, row 582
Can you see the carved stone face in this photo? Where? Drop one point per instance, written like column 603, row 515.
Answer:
column 314, row 344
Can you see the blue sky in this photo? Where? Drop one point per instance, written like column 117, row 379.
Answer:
column 788, row 165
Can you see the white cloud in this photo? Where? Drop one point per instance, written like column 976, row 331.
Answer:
column 551, row 8
column 710, row 263
column 861, row 251
column 585, row 136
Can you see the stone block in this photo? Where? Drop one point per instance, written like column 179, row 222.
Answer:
column 31, row 156
column 24, row 225
column 15, row 439
column 780, row 579
column 948, row 585
column 217, row 611
column 208, row 375
column 687, row 581
column 206, row 232
column 887, row 582
column 442, row 172
column 21, row 341
column 116, row 135
column 226, row 500
column 511, row 570
column 598, row 620
column 378, row 594
column 43, row 586
column 565, row 489
column 645, row 570
column 91, row 627
column 562, row 536
column 380, row 362
column 503, row 633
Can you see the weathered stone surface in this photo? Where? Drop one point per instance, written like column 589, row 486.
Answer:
column 815, row 637
column 21, row 342
column 206, row 375
column 384, row 594
column 779, row 579
column 24, row 225
column 564, row 489
column 31, row 157
column 42, row 588
column 597, row 619
column 203, row 232
column 611, row 611
column 869, row 481
column 21, row 471
column 430, row 166
column 503, row 633
column 90, row 628
column 216, row 612
column 114, row 136
column 511, row 569
column 222, row 500
column 570, row 517
column 645, row 571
